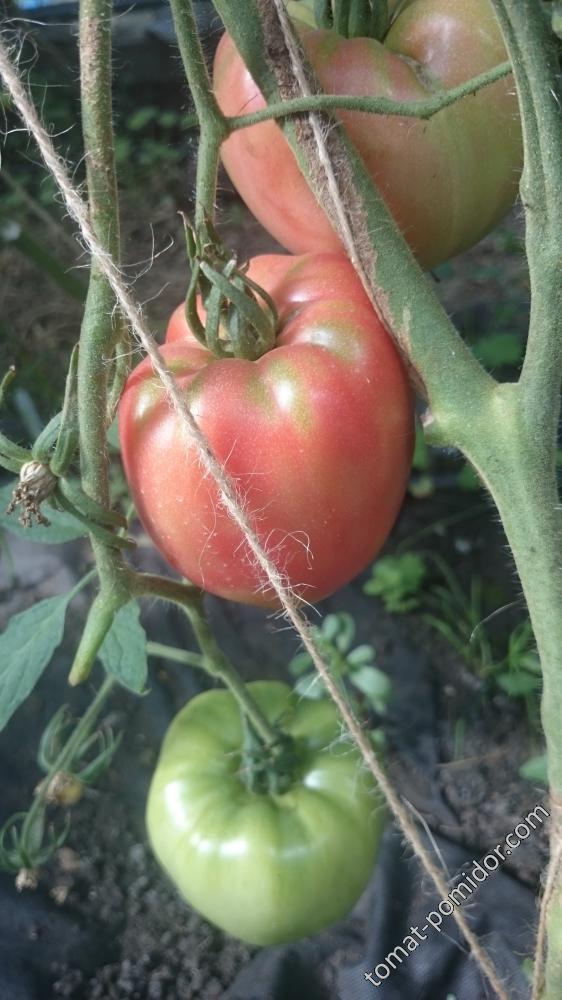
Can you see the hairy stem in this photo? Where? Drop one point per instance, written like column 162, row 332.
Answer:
column 211, row 120
column 98, row 333
column 216, row 664
column 184, row 656
column 424, row 109
column 537, row 540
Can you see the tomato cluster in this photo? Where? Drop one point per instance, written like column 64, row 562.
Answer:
column 317, row 435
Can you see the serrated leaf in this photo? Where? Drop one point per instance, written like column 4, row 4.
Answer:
column 535, row 769
column 374, row 684
column 63, row 527
column 123, row 652
column 26, row 647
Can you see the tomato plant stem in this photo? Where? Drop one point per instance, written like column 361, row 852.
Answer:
column 98, row 333
column 423, row 109
column 184, row 656
column 534, row 524
column 64, row 759
column 216, row 664
column 211, row 119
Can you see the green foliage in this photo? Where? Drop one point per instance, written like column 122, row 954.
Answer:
column 26, row 647
column 398, row 581
column 404, row 584
column 123, row 652
column 356, row 666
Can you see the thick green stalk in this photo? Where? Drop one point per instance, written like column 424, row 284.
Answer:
column 98, row 333
column 537, row 540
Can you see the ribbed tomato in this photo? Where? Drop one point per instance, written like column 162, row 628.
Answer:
column 447, row 180
column 317, row 434
column 266, row 867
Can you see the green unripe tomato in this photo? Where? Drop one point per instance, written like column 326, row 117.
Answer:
column 267, row 868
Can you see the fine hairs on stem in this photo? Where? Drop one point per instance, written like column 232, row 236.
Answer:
column 227, row 490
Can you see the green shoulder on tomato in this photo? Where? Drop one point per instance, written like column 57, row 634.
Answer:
column 317, row 434
column 266, row 868
column 447, row 180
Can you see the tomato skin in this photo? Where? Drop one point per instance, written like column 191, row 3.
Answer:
column 447, row 180
column 266, row 868
column 317, row 435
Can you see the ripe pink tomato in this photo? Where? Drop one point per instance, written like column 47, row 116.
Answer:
column 317, row 434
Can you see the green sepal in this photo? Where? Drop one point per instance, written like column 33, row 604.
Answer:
column 85, row 505
column 116, row 541
column 68, row 438
column 46, row 441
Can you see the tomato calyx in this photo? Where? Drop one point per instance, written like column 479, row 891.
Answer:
column 241, row 318
column 267, row 769
column 350, row 18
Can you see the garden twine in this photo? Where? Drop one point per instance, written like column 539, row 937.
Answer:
column 229, row 495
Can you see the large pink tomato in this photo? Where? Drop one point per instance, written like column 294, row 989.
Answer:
column 317, row 435
column 447, row 180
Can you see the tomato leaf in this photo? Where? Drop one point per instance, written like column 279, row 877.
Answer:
column 374, row 684
column 361, row 656
column 26, row 647
column 123, row 652
column 63, row 527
